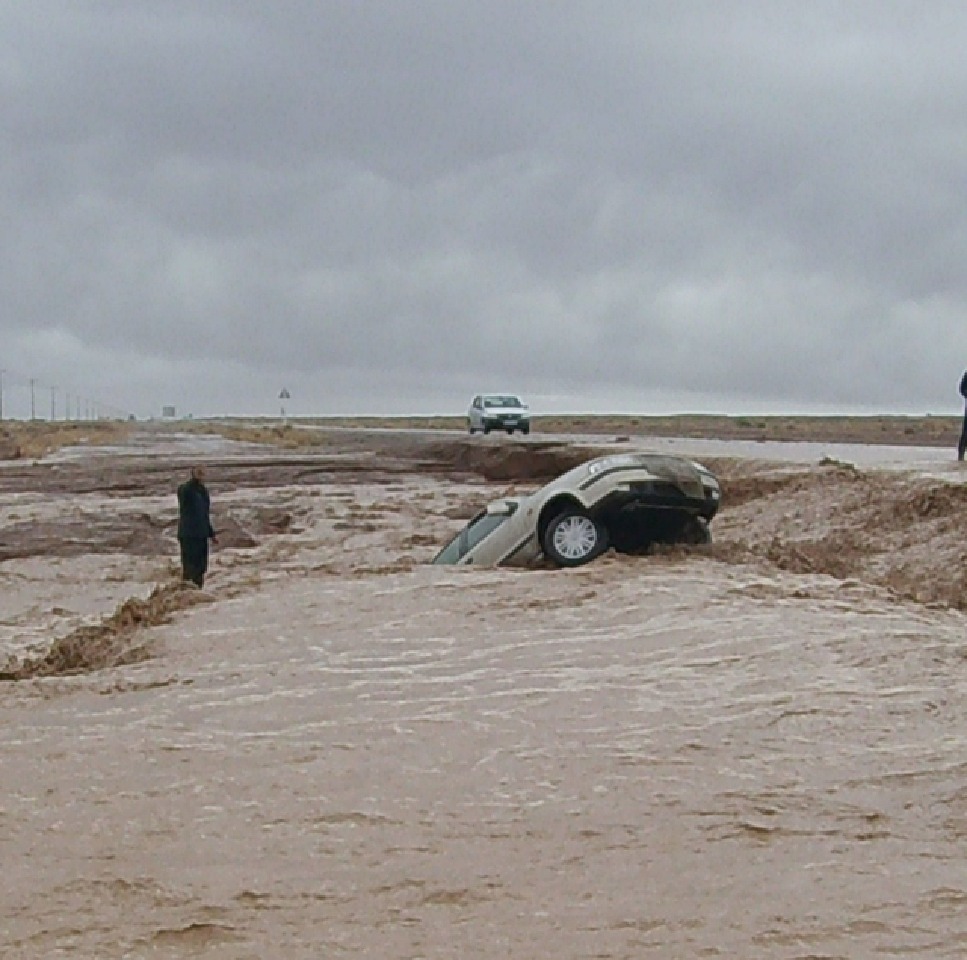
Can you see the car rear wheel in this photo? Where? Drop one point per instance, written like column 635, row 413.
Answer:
column 697, row 531
column 573, row 538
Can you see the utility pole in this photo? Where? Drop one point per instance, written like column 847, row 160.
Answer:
column 1, row 394
column 33, row 410
column 53, row 404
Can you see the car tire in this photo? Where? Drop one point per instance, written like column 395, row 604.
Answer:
column 486, row 428
column 472, row 429
column 525, row 430
column 696, row 531
column 573, row 538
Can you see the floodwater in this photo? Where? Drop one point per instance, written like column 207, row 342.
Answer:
column 754, row 749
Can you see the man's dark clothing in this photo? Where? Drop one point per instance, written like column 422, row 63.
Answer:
column 194, row 530
column 194, row 559
column 962, row 446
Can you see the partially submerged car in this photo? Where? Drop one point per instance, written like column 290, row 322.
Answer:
column 627, row 501
column 498, row 411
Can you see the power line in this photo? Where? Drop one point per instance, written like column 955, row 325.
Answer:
column 18, row 400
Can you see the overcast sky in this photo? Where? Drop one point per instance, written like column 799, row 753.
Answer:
column 388, row 205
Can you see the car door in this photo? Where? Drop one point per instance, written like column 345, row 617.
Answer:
column 475, row 417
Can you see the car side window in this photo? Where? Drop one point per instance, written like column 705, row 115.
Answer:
column 481, row 528
column 461, row 543
column 451, row 553
column 478, row 529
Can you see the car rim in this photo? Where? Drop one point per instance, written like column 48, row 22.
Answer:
column 575, row 537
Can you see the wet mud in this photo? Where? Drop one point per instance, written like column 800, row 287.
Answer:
column 751, row 749
column 902, row 532
column 112, row 642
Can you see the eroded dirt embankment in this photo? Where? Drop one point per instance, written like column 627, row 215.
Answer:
column 111, row 643
column 893, row 530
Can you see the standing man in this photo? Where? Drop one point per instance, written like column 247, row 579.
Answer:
column 962, row 446
column 194, row 526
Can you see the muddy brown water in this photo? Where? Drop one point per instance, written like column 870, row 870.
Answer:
column 755, row 749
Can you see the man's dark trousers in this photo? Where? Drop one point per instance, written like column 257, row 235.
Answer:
column 194, row 559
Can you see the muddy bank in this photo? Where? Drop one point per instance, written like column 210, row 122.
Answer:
column 900, row 532
column 113, row 642
column 535, row 461
column 349, row 455
column 86, row 531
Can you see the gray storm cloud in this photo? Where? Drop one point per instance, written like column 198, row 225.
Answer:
column 395, row 205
